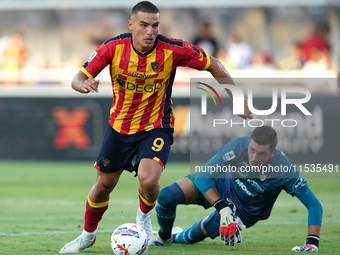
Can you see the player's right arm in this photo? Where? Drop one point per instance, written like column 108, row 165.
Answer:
column 220, row 73
column 84, row 84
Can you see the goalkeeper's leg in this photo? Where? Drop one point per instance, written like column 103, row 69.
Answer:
column 180, row 192
column 192, row 235
column 206, row 227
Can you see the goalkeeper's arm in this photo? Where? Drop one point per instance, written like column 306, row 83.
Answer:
column 314, row 221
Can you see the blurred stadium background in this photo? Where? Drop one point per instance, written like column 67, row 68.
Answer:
column 262, row 43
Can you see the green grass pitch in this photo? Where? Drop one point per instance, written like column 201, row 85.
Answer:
column 42, row 207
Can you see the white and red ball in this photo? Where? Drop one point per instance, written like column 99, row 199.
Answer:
column 129, row 239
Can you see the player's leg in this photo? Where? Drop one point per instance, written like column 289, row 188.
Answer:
column 115, row 155
column 207, row 226
column 180, row 192
column 96, row 205
column 152, row 155
column 98, row 199
column 149, row 172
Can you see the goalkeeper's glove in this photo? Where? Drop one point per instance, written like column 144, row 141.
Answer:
column 311, row 244
column 230, row 224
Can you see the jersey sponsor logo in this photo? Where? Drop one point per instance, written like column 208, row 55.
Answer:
column 129, row 61
column 298, row 183
column 140, row 75
column 229, row 156
column 92, row 56
column 244, row 188
column 155, row 66
column 243, row 163
column 121, row 82
column 139, row 87
column 243, row 175
column 255, row 184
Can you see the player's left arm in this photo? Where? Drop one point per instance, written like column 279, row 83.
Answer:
column 314, row 221
column 220, row 73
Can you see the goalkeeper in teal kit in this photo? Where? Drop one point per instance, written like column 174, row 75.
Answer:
column 242, row 181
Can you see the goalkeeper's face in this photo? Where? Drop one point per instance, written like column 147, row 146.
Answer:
column 258, row 155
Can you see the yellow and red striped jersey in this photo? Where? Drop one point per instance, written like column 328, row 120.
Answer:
column 142, row 81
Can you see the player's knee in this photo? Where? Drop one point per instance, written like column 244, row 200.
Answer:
column 166, row 198
column 171, row 196
column 106, row 182
column 103, row 189
column 149, row 183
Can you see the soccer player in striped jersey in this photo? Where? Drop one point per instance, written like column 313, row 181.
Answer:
column 142, row 67
column 242, row 181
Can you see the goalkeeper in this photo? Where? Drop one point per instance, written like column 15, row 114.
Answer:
column 241, row 198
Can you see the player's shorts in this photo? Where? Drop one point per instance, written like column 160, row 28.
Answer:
column 118, row 151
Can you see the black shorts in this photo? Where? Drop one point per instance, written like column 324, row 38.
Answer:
column 118, row 150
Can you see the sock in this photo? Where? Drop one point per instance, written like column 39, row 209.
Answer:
column 168, row 199
column 89, row 235
column 93, row 214
column 313, row 239
column 144, row 205
column 191, row 235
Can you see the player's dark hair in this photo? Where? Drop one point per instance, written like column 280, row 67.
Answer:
column 145, row 6
column 265, row 135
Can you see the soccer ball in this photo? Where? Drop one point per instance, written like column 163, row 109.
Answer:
column 129, row 239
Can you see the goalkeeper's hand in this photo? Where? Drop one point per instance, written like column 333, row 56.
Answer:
column 230, row 227
column 306, row 247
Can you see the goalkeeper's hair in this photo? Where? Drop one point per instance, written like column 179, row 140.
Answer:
column 145, row 6
column 265, row 135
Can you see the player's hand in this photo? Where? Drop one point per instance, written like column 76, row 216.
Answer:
column 247, row 112
column 306, row 247
column 90, row 85
column 230, row 227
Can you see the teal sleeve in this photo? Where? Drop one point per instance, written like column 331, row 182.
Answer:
column 314, row 207
column 205, row 180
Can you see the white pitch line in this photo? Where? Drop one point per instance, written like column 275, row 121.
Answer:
column 274, row 222
column 52, row 233
column 57, row 218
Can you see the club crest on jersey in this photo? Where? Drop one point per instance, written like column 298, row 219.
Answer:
column 229, row 156
column 262, row 177
column 155, row 66
column 105, row 162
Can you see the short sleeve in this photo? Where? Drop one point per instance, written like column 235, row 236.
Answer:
column 230, row 152
column 295, row 186
column 193, row 56
column 99, row 59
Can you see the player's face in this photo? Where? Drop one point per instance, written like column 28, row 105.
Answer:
column 144, row 27
column 258, row 154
